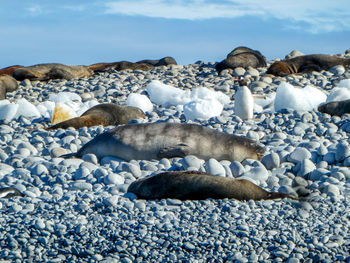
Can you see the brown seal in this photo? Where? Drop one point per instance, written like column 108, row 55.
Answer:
column 147, row 141
column 166, row 61
column 118, row 66
column 193, row 185
column 102, row 114
column 8, row 192
column 337, row 108
column 7, row 84
column 242, row 57
column 51, row 71
column 9, row 70
column 306, row 64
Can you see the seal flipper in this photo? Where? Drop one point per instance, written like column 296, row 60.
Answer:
column 69, row 155
column 179, row 150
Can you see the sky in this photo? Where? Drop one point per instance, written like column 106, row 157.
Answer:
column 83, row 32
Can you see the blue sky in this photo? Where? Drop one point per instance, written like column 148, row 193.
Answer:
column 86, row 32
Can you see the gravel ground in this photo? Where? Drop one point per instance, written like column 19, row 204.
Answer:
column 78, row 209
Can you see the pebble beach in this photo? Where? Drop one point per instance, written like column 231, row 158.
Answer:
column 77, row 210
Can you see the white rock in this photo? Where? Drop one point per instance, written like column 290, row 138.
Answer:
column 306, row 99
column 8, row 111
column 140, row 101
column 166, row 95
column 202, row 109
column 26, row 109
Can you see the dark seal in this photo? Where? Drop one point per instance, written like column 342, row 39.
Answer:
column 242, row 57
column 337, row 108
column 51, row 71
column 193, row 185
column 144, row 65
column 9, row 70
column 306, row 64
column 103, row 114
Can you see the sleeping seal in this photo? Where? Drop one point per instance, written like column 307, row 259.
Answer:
column 148, row 141
column 51, row 71
column 9, row 70
column 193, row 185
column 242, row 57
column 306, row 64
column 7, row 84
column 103, row 114
column 337, row 108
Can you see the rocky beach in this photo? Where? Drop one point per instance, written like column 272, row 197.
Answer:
column 78, row 210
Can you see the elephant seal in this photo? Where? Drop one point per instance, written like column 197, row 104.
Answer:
column 103, row 114
column 193, row 185
column 306, row 64
column 9, row 70
column 51, row 71
column 7, row 192
column 242, row 57
column 337, row 108
column 7, row 84
column 148, row 141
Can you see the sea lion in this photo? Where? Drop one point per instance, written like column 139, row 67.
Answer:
column 337, row 108
column 51, row 71
column 193, row 185
column 103, row 114
column 148, row 141
column 306, row 64
column 119, row 66
column 7, row 84
column 166, row 61
column 9, row 70
column 242, row 57
column 7, row 192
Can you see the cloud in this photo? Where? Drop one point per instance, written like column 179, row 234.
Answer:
column 313, row 15
column 35, row 10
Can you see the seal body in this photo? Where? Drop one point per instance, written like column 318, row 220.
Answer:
column 9, row 70
column 144, row 65
column 7, row 84
column 148, row 141
column 306, row 64
column 192, row 185
column 103, row 114
column 121, row 65
column 337, row 108
column 244, row 103
column 51, row 71
column 242, row 57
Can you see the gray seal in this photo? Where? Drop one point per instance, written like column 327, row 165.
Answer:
column 193, row 185
column 148, row 141
column 102, row 114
